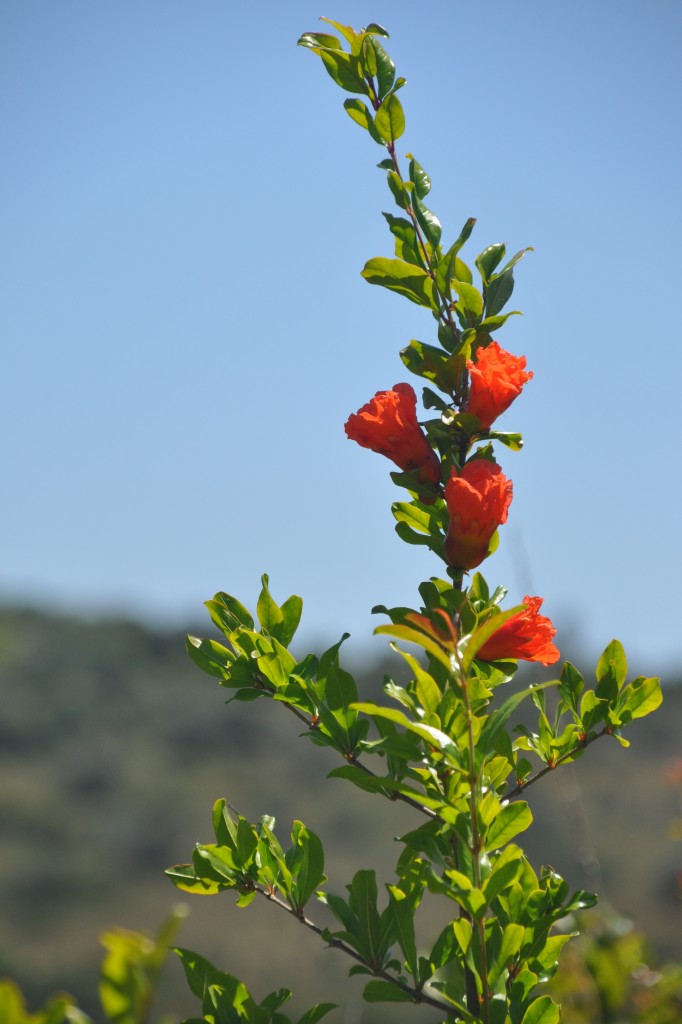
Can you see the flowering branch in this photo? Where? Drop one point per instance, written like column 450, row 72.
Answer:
column 447, row 746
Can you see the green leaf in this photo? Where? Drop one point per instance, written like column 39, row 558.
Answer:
column 340, row 689
column 506, row 869
column 542, row 1011
column 390, row 119
column 404, row 278
column 227, row 613
column 512, row 441
column 291, row 610
column 571, row 685
column 453, row 994
column 449, row 268
column 362, row 48
column 428, row 222
column 489, row 259
column 186, row 878
column 317, row 41
column 415, row 636
column 436, row 737
column 385, row 67
column 464, row 235
column 498, row 292
column 385, row 992
column 269, row 613
column 363, row 903
column 210, row 656
column 422, row 182
column 463, row 932
column 470, row 299
column 433, row 401
column 345, row 69
column 512, row 939
column 640, row 698
column 348, row 33
column 516, row 257
column 407, row 534
column 465, row 893
column 197, row 970
column 402, row 228
column 425, row 687
column 219, row 862
column 548, row 957
column 403, row 923
column 512, row 819
column 493, row 323
column 432, row 363
column 247, row 841
column 317, row 1013
column 358, row 112
column 396, row 186
column 497, row 719
column 613, row 664
column 310, row 867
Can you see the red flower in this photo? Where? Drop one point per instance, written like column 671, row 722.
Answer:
column 496, row 379
column 478, row 500
column 527, row 636
column 388, row 425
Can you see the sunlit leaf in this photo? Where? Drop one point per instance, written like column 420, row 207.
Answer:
column 390, row 119
column 404, row 278
column 542, row 1011
column 345, row 69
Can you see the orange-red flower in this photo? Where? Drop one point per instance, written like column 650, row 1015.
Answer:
column 388, row 425
column 527, row 636
column 497, row 377
column 478, row 500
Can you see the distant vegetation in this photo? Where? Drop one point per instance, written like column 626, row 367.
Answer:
column 113, row 746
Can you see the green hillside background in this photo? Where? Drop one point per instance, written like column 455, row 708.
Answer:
column 113, row 748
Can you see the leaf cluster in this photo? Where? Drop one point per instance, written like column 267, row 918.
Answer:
column 422, row 269
column 450, row 751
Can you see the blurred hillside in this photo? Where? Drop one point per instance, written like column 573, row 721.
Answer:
column 113, row 747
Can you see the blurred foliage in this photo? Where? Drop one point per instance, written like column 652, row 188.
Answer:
column 608, row 976
column 112, row 745
column 129, row 980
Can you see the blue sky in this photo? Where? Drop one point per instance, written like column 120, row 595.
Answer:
column 185, row 208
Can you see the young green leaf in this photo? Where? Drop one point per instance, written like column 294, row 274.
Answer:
column 422, row 182
column 359, row 112
column 390, row 119
column 268, row 611
column 345, row 69
column 404, row 278
column 489, row 259
column 385, row 992
column 498, row 292
column 385, row 68
column 348, row 33
column 428, row 222
column 542, row 1011
column 210, row 656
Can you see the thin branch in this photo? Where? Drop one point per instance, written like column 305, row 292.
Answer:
column 310, row 724
column 523, row 785
column 476, row 848
column 428, row 811
column 417, row 995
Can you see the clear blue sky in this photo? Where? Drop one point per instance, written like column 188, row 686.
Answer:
column 184, row 210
